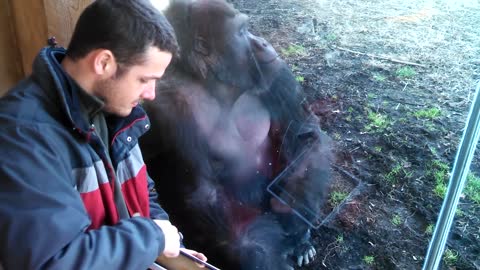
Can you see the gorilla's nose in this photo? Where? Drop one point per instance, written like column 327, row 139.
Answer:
column 263, row 50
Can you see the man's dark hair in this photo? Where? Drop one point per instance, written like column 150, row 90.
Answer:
column 125, row 27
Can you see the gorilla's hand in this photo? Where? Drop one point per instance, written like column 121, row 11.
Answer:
column 304, row 252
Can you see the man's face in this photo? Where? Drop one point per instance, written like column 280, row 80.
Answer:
column 121, row 94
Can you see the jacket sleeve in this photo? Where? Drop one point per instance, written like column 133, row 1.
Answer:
column 43, row 223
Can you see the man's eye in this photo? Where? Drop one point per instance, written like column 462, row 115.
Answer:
column 142, row 80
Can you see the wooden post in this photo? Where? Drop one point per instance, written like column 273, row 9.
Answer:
column 36, row 20
column 30, row 29
column 62, row 16
column 11, row 70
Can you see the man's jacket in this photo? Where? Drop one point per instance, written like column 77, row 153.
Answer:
column 58, row 208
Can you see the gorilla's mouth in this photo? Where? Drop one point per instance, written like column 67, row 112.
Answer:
column 269, row 61
column 263, row 59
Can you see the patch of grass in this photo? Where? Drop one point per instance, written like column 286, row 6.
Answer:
column 403, row 120
column 379, row 77
column 429, row 229
column 430, row 126
column 439, row 171
column 337, row 197
column 378, row 149
column 294, row 50
column 396, row 220
column 430, row 114
column 392, row 175
column 339, row 239
column 440, row 190
column 405, row 72
column 397, row 172
column 472, row 189
column 337, row 136
column 371, row 95
column 378, row 122
column 368, row 259
column 331, row 37
column 300, row 79
column 450, row 257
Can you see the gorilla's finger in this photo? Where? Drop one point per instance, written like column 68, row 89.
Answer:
column 300, row 260
column 306, row 259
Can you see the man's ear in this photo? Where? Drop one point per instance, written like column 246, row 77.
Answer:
column 104, row 63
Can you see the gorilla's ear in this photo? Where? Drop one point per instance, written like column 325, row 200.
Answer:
column 201, row 46
column 200, row 54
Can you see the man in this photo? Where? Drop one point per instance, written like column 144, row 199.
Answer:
column 74, row 192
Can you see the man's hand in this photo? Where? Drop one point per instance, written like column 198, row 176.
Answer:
column 172, row 238
column 196, row 254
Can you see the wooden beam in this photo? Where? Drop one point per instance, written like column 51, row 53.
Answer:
column 62, row 16
column 31, row 29
column 11, row 70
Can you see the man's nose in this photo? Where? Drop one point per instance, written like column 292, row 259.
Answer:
column 149, row 91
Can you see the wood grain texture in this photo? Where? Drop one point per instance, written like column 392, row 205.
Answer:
column 62, row 16
column 30, row 28
column 10, row 61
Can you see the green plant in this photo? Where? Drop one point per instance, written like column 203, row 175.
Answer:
column 405, row 72
column 472, row 189
column 450, row 257
column 371, row 95
column 377, row 149
column 294, row 50
column 368, row 259
column 379, row 77
column 439, row 171
column 433, row 150
column 396, row 220
column 378, row 121
column 429, row 229
column 392, row 175
column 339, row 239
column 440, row 190
column 331, row 37
column 337, row 197
column 300, row 79
column 431, row 113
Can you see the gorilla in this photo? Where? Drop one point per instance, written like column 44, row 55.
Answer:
column 228, row 123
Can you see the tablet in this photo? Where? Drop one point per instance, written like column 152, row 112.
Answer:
column 184, row 261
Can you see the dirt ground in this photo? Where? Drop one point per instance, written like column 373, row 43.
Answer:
column 392, row 82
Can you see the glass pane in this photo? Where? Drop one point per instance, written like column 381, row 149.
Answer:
column 390, row 82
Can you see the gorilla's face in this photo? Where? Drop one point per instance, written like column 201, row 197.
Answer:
column 246, row 61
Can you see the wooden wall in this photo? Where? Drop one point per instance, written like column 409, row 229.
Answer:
column 10, row 63
column 25, row 26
